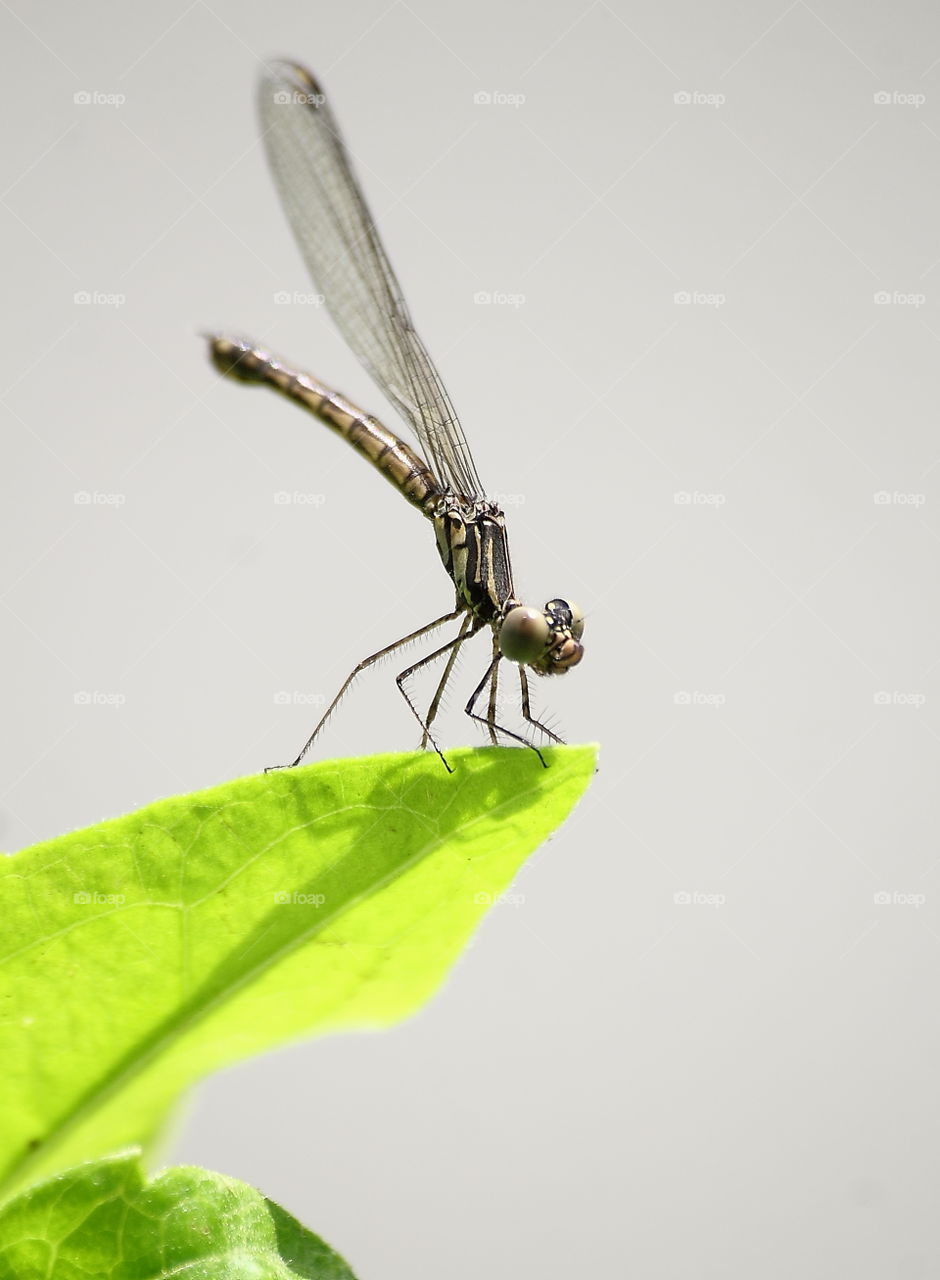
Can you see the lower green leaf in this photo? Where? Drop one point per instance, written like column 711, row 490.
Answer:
column 102, row 1220
column 143, row 953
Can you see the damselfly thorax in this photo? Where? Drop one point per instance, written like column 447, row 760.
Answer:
column 342, row 249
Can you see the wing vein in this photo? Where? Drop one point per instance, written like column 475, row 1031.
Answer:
column 340, row 244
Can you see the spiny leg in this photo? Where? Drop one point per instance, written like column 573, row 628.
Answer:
column 494, row 684
column 435, row 704
column 524, row 684
column 400, row 679
column 360, row 667
column 491, row 723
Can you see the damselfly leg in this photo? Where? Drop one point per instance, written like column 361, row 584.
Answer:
column 439, row 693
column 526, row 711
column 356, row 671
column 451, row 647
column 489, row 720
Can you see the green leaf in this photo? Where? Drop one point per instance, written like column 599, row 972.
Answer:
column 102, row 1220
column 143, row 953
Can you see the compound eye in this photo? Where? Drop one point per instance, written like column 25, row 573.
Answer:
column 563, row 609
column 577, row 621
column 524, row 634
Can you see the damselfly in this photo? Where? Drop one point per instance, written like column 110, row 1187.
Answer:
column 342, row 249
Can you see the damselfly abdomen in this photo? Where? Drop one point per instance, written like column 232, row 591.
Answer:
column 341, row 247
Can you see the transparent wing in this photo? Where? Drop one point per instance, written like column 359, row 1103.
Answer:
column 345, row 257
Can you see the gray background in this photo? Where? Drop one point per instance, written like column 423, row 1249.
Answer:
column 703, row 1044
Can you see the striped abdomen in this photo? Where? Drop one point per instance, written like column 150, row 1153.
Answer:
column 396, row 460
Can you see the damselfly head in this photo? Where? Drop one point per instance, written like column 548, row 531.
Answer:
column 547, row 640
